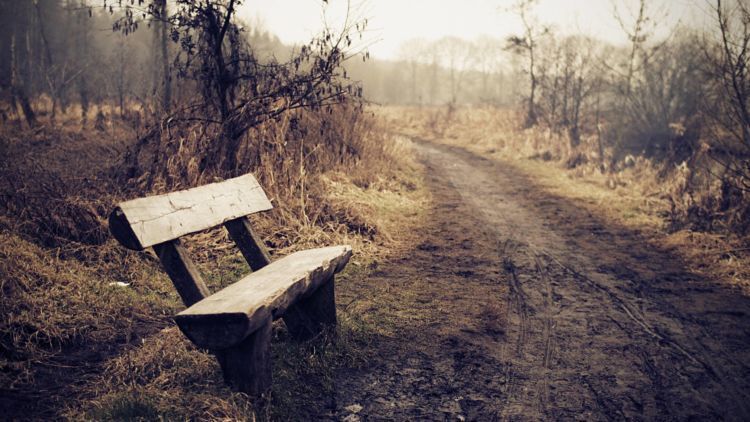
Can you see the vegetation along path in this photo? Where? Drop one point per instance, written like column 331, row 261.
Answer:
column 521, row 305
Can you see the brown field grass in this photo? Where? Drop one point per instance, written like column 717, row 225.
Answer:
column 93, row 349
column 91, row 322
column 646, row 196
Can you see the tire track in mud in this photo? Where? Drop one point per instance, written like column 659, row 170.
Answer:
column 522, row 309
column 627, row 351
column 519, row 304
column 524, row 306
column 634, row 315
column 450, row 297
column 550, row 309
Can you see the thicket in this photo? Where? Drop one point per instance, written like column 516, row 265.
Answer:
column 672, row 98
column 676, row 102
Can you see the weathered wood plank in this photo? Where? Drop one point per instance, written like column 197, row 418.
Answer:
column 121, row 230
column 181, row 270
column 250, row 244
column 309, row 316
column 247, row 365
column 227, row 317
column 160, row 218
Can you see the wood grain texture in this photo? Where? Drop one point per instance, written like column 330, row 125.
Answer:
column 250, row 244
column 181, row 270
column 157, row 219
column 227, row 317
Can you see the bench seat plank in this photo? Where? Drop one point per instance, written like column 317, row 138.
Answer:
column 228, row 316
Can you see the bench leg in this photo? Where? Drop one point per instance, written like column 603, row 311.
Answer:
column 247, row 366
column 309, row 316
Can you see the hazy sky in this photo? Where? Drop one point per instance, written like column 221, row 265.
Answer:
column 393, row 21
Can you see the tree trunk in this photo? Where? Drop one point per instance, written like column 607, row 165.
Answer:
column 414, row 82
column 531, row 116
column 17, row 88
column 599, row 141
column 82, row 58
column 166, row 98
column 48, row 63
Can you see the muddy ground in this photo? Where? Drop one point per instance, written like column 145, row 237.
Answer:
column 519, row 305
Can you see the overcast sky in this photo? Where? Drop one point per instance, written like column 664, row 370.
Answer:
column 393, row 21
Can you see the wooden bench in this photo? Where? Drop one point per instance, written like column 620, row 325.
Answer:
column 234, row 323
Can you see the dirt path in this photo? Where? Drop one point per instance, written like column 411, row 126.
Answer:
column 519, row 305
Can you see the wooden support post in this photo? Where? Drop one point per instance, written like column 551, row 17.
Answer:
column 247, row 365
column 250, row 244
column 180, row 268
column 309, row 316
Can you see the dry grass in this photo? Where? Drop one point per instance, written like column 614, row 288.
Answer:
column 632, row 196
column 50, row 305
column 57, row 262
column 164, row 377
column 332, row 178
column 642, row 195
column 302, row 373
column 715, row 256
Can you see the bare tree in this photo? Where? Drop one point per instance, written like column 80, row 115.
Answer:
column 730, row 60
column 83, row 24
column 641, row 113
column 56, row 67
column 458, row 56
column 411, row 52
column 18, row 86
column 568, row 79
column 526, row 44
column 237, row 90
column 161, row 33
column 583, row 80
column 637, row 33
column 490, row 61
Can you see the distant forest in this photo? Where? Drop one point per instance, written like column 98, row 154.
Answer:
column 648, row 94
column 80, row 51
column 69, row 51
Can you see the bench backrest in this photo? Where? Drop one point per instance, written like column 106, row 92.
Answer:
column 144, row 222
column 159, row 221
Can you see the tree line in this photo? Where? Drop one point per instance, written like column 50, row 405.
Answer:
column 659, row 94
column 182, row 61
column 446, row 70
column 665, row 96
